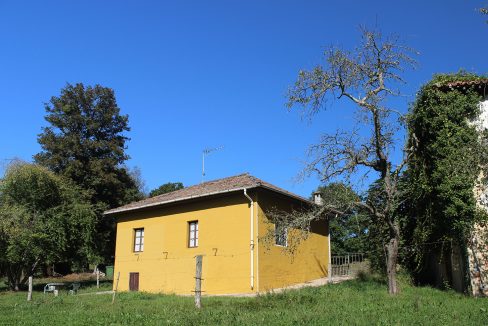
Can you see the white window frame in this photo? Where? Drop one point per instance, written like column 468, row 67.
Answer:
column 193, row 233
column 138, row 245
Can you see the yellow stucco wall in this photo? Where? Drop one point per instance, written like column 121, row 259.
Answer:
column 167, row 265
column 277, row 268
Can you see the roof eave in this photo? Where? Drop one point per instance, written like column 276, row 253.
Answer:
column 129, row 209
column 287, row 194
column 116, row 211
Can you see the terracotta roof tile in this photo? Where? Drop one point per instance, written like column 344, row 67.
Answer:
column 463, row 84
column 234, row 183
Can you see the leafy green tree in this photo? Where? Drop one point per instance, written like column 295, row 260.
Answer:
column 348, row 231
column 378, row 232
column 43, row 219
column 352, row 228
column 85, row 142
column 165, row 188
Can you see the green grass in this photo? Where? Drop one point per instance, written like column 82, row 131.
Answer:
column 349, row 303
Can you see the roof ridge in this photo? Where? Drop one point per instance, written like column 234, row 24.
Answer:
column 207, row 182
column 256, row 179
column 215, row 180
column 200, row 184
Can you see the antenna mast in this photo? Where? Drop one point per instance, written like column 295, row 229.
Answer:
column 207, row 151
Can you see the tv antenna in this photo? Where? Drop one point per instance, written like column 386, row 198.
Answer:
column 208, row 151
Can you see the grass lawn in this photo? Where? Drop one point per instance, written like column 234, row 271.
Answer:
column 349, row 303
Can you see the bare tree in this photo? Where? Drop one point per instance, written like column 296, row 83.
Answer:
column 367, row 77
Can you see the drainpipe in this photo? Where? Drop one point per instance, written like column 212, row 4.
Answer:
column 252, row 238
column 329, row 271
column 330, row 253
column 318, row 200
column 257, row 246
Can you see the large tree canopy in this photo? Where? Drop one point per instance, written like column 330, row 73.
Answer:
column 85, row 142
column 43, row 219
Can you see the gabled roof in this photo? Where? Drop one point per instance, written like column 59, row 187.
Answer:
column 219, row 186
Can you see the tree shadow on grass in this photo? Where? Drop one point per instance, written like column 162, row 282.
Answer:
column 84, row 284
column 364, row 281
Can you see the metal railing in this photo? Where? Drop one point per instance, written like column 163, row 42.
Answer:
column 347, row 265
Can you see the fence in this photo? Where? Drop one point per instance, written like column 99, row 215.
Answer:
column 348, row 265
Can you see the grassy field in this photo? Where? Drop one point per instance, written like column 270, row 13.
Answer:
column 350, row 303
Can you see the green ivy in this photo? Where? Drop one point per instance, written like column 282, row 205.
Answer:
column 445, row 165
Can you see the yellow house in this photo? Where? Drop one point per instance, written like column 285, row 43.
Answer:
column 224, row 221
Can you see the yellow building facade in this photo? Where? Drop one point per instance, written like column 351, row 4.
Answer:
column 224, row 221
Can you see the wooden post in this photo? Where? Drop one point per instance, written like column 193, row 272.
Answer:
column 198, row 282
column 116, row 287
column 29, row 294
column 98, row 277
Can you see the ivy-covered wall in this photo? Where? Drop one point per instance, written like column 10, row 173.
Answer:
column 442, row 174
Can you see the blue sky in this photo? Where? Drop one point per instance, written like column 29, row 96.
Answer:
column 198, row 74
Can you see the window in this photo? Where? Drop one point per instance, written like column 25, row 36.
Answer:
column 138, row 240
column 281, row 235
column 193, row 234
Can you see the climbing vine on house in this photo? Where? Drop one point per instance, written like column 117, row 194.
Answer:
column 450, row 155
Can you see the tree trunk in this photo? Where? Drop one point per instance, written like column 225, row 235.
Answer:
column 13, row 275
column 13, row 281
column 391, row 262
column 18, row 276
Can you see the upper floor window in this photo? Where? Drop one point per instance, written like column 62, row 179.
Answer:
column 193, row 234
column 281, row 235
column 139, row 240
